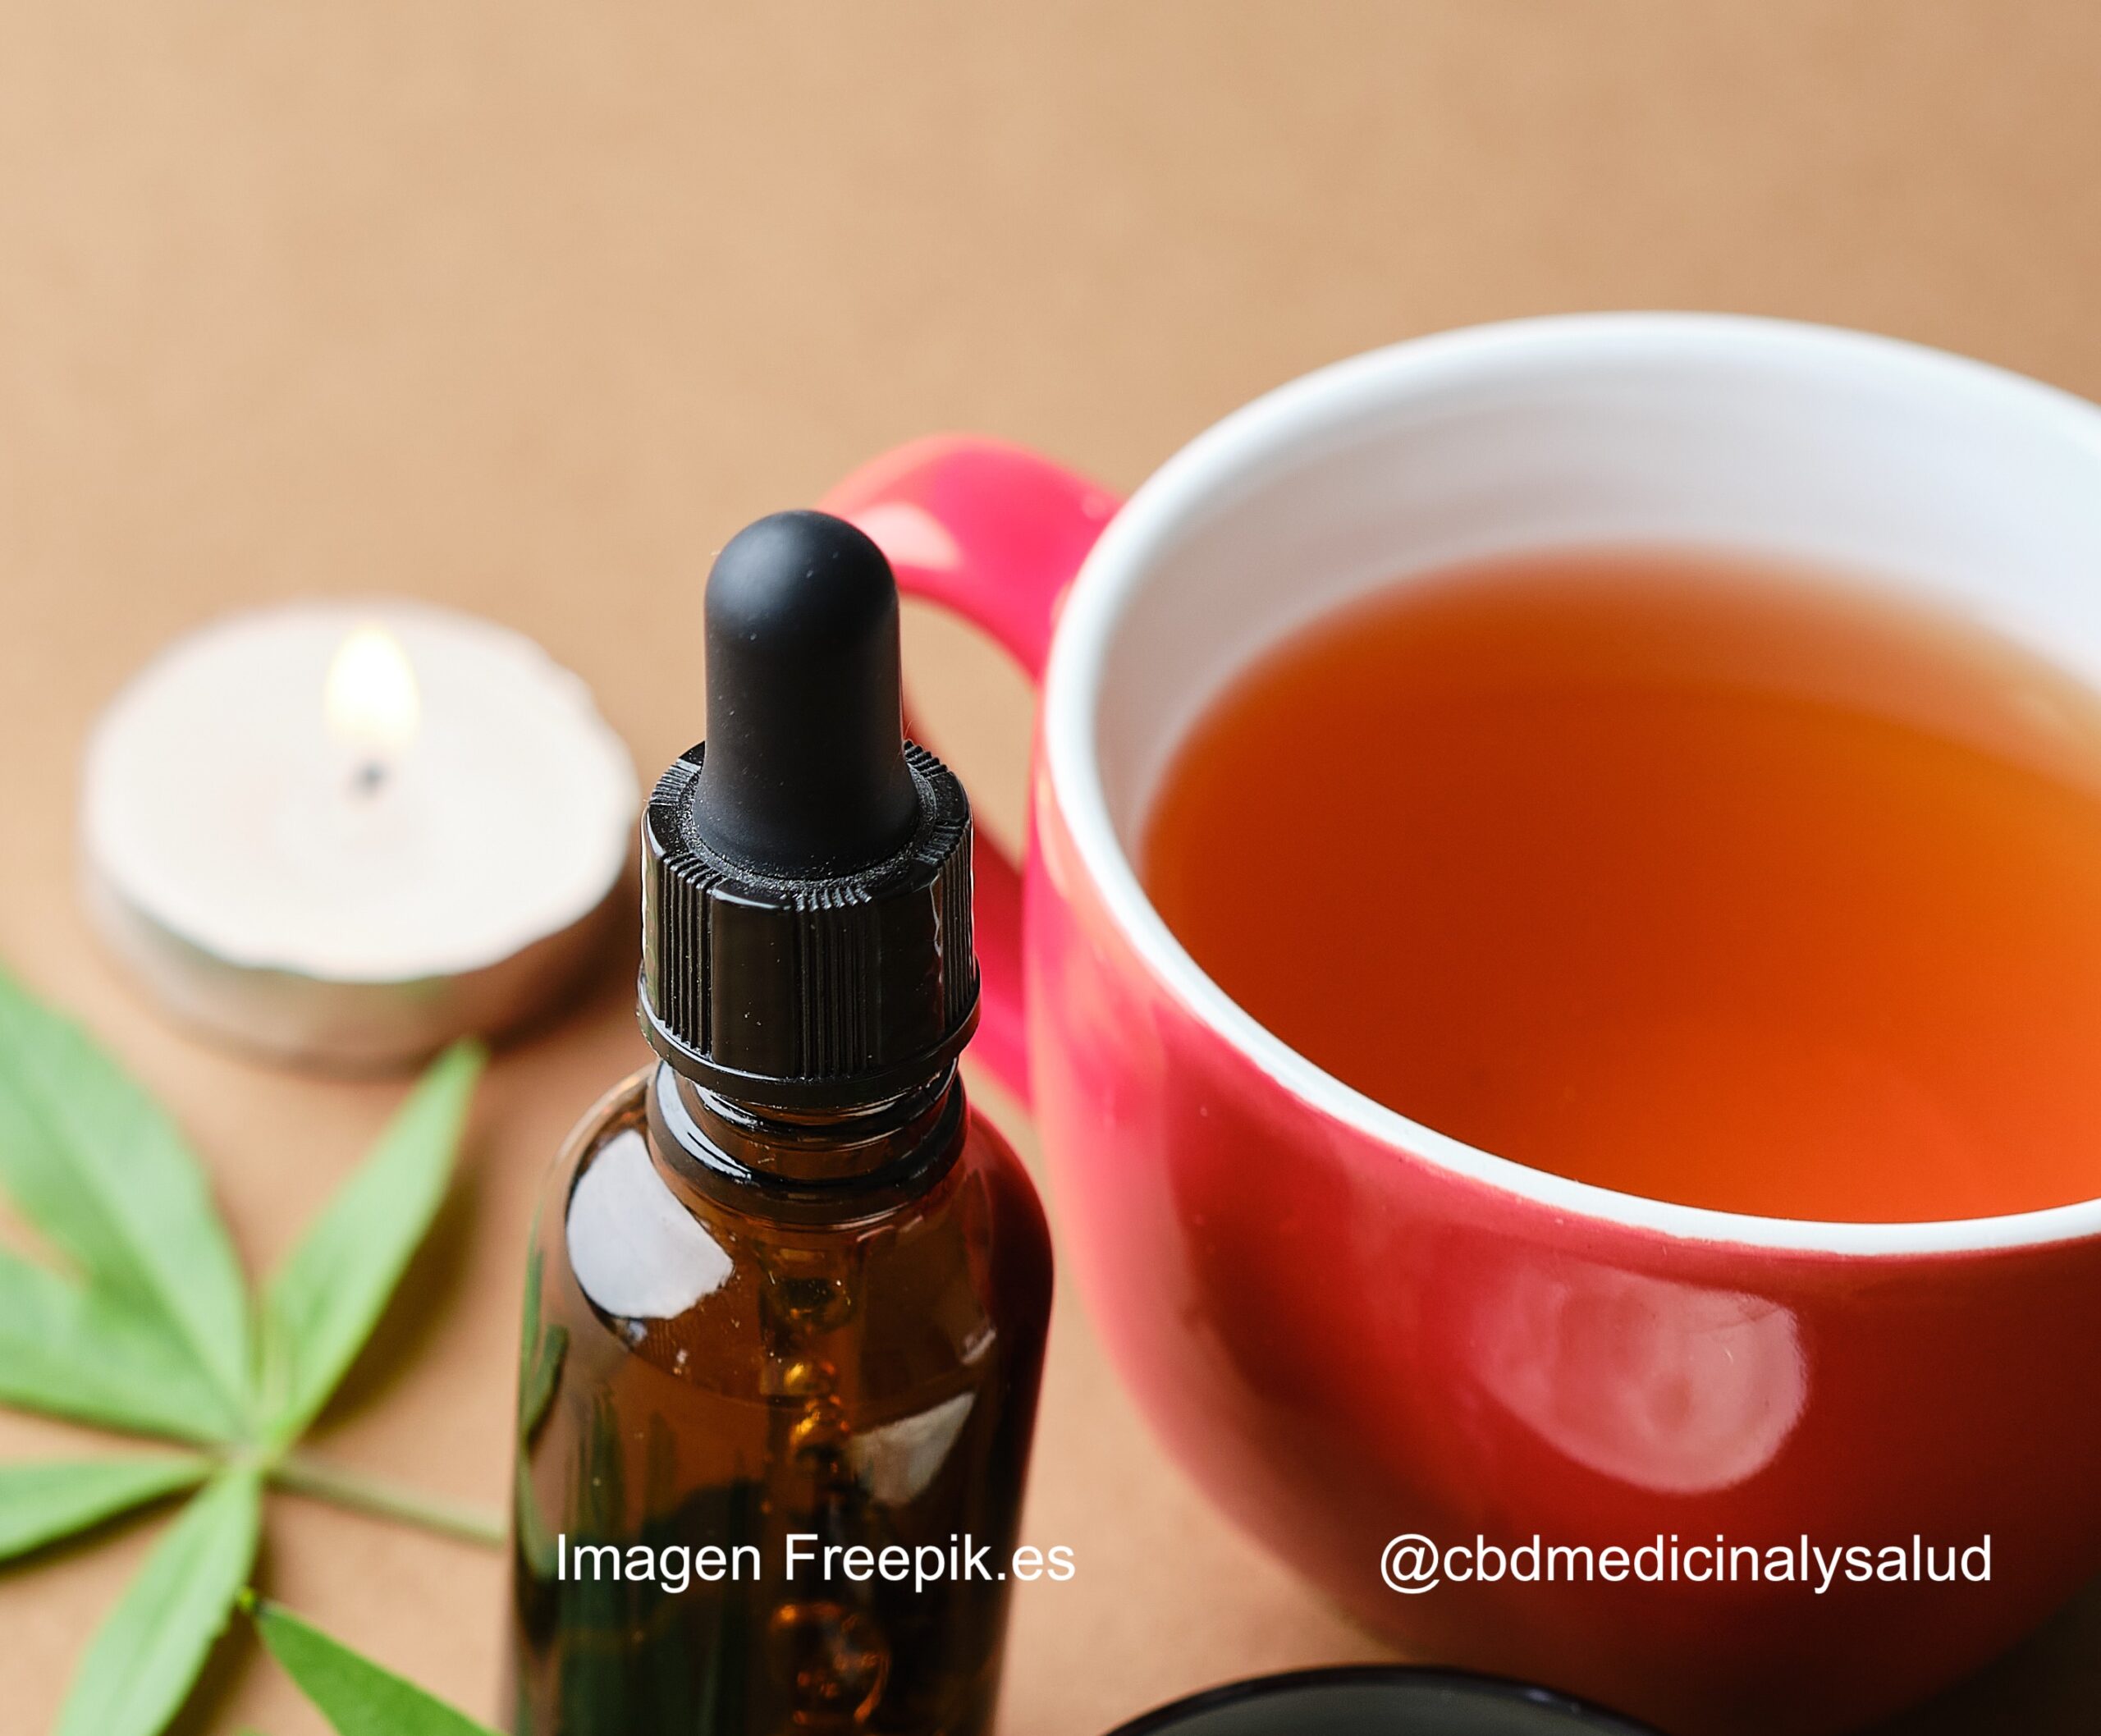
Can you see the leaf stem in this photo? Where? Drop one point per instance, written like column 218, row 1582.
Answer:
column 301, row 1473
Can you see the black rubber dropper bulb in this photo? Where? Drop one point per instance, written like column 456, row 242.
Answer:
column 806, row 927
column 805, row 771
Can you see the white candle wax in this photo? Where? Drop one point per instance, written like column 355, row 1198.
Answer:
column 346, row 832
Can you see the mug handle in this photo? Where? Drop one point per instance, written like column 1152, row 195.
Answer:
column 994, row 533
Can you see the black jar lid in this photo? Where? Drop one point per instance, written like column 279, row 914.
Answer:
column 1380, row 1700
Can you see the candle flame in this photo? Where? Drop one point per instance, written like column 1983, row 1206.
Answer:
column 370, row 701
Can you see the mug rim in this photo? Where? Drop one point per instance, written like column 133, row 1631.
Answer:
column 1119, row 561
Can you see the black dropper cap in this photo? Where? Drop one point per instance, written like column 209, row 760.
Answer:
column 806, row 872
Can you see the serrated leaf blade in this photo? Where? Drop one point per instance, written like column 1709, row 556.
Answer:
column 99, row 1168
column 146, row 1655
column 70, row 1352
column 356, row 1695
column 323, row 1302
column 541, row 1353
column 49, row 1499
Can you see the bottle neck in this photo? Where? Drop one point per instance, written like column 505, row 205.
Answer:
column 806, row 1165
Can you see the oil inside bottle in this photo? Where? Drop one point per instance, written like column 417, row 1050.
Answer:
column 724, row 1377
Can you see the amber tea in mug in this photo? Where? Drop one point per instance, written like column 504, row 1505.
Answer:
column 1741, row 887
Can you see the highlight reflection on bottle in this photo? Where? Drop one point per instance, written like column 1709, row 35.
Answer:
column 788, row 1293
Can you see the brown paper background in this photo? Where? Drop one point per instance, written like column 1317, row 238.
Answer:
column 526, row 307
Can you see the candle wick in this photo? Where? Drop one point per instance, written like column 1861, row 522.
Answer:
column 369, row 777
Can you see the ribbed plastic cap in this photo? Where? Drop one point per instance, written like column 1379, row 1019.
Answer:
column 806, row 874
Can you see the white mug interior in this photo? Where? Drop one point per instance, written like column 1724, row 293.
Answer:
column 1967, row 488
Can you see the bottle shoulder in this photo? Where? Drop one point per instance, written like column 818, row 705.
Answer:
column 1016, row 1218
column 937, row 1291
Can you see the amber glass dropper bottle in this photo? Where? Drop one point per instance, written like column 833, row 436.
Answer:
column 787, row 1297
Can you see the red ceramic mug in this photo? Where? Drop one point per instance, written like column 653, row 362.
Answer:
column 1354, row 1332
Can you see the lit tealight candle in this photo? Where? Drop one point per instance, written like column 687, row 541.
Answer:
column 346, row 833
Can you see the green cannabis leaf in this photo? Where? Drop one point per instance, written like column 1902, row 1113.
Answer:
column 356, row 1695
column 41, row 1503
column 104, row 1173
column 146, row 1657
column 542, row 1349
column 144, row 1325
column 320, row 1308
column 77, row 1351
column 541, row 1358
